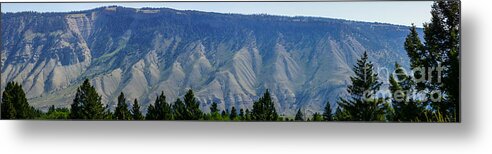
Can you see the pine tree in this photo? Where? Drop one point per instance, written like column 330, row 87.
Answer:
column 441, row 50
column 15, row 105
column 136, row 113
column 363, row 105
column 223, row 114
column 162, row 108
column 264, row 109
column 87, row 104
column 327, row 116
column 213, row 108
column 121, row 112
column 179, row 110
column 299, row 116
column 151, row 113
column 214, row 112
column 241, row 114
column 405, row 107
column 8, row 109
column 193, row 111
column 233, row 114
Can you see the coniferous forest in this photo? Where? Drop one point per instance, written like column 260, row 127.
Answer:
column 430, row 94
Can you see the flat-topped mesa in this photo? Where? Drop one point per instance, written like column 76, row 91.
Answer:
column 226, row 58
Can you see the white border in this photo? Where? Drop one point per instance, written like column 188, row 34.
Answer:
column 473, row 135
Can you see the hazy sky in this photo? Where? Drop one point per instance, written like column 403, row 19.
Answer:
column 402, row 13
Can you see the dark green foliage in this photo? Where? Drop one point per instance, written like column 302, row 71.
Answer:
column 57, row 115
column 264, row 109
column 299, row 116
column 193, row 111
column 8, row 109
column 213, row 108
column 405, row 107
column 214, row 112
column 136, row 113
column 15, row 105
column 363, row 105
column 247, row 115
column 223, row 113
column 327, row 116
column 440, row 50
column 151, row 113
column 233, row 114
column 87, row 104
column 157, row 110
column 121, row 112
column 161, row 110
column 206, row 116
column 317, row 117
column 179, row 110
column 363, row 110
column 341, row 115
column 241, row 115
column 108, row 115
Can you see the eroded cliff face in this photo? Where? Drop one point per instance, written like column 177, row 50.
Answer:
column 225, row 58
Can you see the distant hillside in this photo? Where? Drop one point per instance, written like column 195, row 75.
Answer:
column 225, row 58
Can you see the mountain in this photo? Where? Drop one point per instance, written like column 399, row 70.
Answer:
column 230, row 59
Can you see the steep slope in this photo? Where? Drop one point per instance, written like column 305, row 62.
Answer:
column 226, row 58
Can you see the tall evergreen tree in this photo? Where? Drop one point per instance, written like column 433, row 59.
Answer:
column 241, row 114
column 214, row 112
column 179, row 110
column 151, row 113
column 87, row 103
column 233, row 114
column 121, row 112
column 213, row 108
column 163, row 109
column 363, row 105
column 402, row 87
column 299, row 116
column 223, row 114
column 8, row 110
column 14, row 103
column 193, row 111
column 136, row 113
column 439, row 55
column 327, row 116
column 264, row 109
